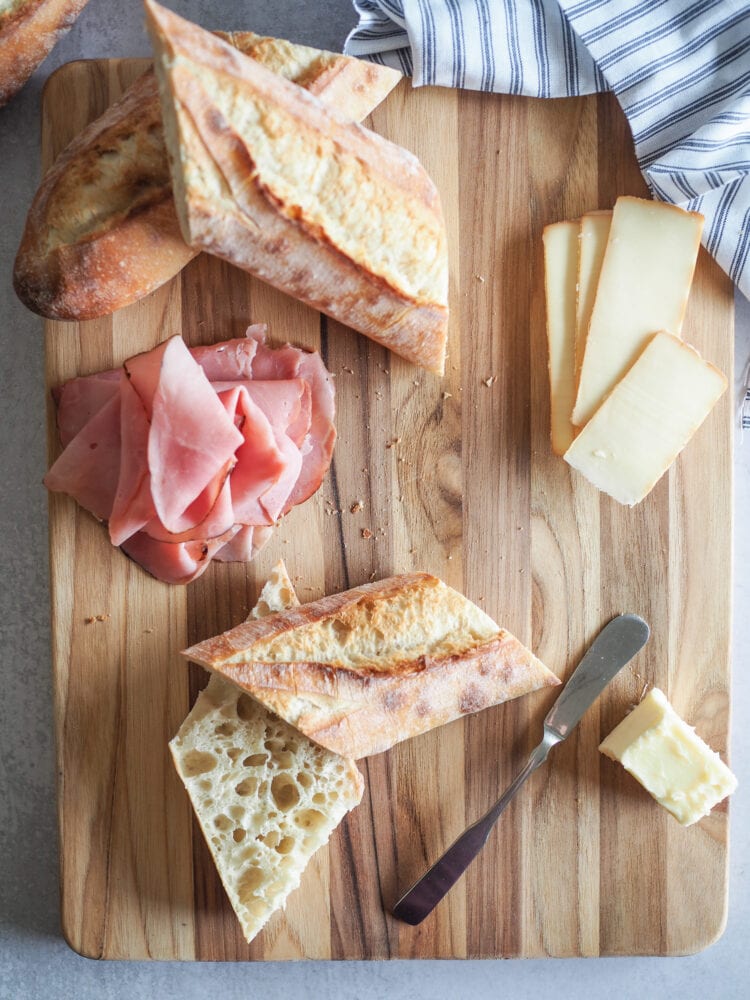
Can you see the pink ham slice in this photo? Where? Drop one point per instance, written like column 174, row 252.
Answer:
column 193, row 454
column 88, row 469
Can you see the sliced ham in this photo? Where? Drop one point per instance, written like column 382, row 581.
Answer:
column 194, row 454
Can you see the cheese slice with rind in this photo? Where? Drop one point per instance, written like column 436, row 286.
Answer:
column 560, row 274
column 647, row 420
column 643, row 287
column 592, row 242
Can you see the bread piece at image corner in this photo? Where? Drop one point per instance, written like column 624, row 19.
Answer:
column 364, row 669
column 270, row 179
column 102, row 231
column 265, row 796
column 28, row 31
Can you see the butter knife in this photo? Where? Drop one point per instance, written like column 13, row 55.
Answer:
column 616, row 645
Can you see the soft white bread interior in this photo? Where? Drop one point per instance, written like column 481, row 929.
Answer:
column 364, row 669
column 265, row 796
column 273, row 180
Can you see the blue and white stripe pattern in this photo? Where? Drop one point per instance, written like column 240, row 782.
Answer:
column 680, row 69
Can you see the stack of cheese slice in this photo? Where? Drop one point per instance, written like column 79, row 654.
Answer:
column 626, row 393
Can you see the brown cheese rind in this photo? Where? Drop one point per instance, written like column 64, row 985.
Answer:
column 357, row 711
column 368, row 249
column 26, row 37
column 76, row 263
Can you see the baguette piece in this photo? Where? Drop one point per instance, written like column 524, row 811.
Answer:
column 362, row 670
column 102, row 230
column 266, row 797
column 28, row 31
column 270, row 179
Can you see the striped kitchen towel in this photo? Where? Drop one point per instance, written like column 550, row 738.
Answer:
column 680, row 69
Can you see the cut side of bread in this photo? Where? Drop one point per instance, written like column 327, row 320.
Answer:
column 28, row 31
column 265, row 796
column 269, row 178
column 102, row 230
column 362, row 670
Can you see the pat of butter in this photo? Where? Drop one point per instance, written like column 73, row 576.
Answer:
column 666, row 756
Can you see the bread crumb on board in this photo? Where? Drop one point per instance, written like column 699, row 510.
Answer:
column 96, row 618
column 356, row 507
column 366, row 533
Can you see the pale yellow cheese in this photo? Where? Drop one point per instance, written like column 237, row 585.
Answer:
column 643, row 287
column 666, row 756
column 647, row 420
column 560, row 275
column 593, row 236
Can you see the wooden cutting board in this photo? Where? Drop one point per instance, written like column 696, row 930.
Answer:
column 456, row 477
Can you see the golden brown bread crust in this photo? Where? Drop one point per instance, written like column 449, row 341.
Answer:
column 357, row 711
column 26, row 36
column 251, row 158
column 76, row 266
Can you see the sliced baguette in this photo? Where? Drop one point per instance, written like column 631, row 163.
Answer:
column 269, row 178
column 362, row 670
column 102, row 230
column 265, row 796
column 28, row 31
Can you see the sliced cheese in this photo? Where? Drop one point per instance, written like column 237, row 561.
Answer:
column 593, row 236
column 646, row 421
column 643, row 287
column 560, row 274
column 669, row 759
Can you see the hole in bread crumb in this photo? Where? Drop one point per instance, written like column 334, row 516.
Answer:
column 272, row 815
column 247, row 787
column 319, row 798
column 205, row 785
column 246, row 707
column 233, row 753
column 250, row 880
column 304, row 779
column 333, row 796
column 284, row 758
column 285, row 845
column 270, row 839
column 255, row 760
column 310, row 819
column 197, row 762
column 208, row 803
column 222, row 822
column 341, row 630
column 274, row 745
column 258, row 907
column 285, row 792
column 225, row 729
column 238, row 835
column 237, row 812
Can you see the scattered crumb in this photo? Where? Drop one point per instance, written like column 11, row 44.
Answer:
column 356, row 507
column 479, row 277
column 490, row 381
column 148, row 631
column 344, row 368
column 415, row 381
column 447, row 395
column 89, row 621
column 372, row 575
column 366, row 533
column 393, row 442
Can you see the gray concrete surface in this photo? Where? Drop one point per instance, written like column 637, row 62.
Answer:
column 34, row 960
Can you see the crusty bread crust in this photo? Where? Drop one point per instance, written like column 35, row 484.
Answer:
column 79, row 262
column 27, row 34
column 251, row 160
column 358, row 708
column 260, row 790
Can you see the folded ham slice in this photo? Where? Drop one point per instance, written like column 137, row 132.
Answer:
column 194, row 454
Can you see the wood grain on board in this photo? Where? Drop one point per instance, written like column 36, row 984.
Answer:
column 456, row 477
